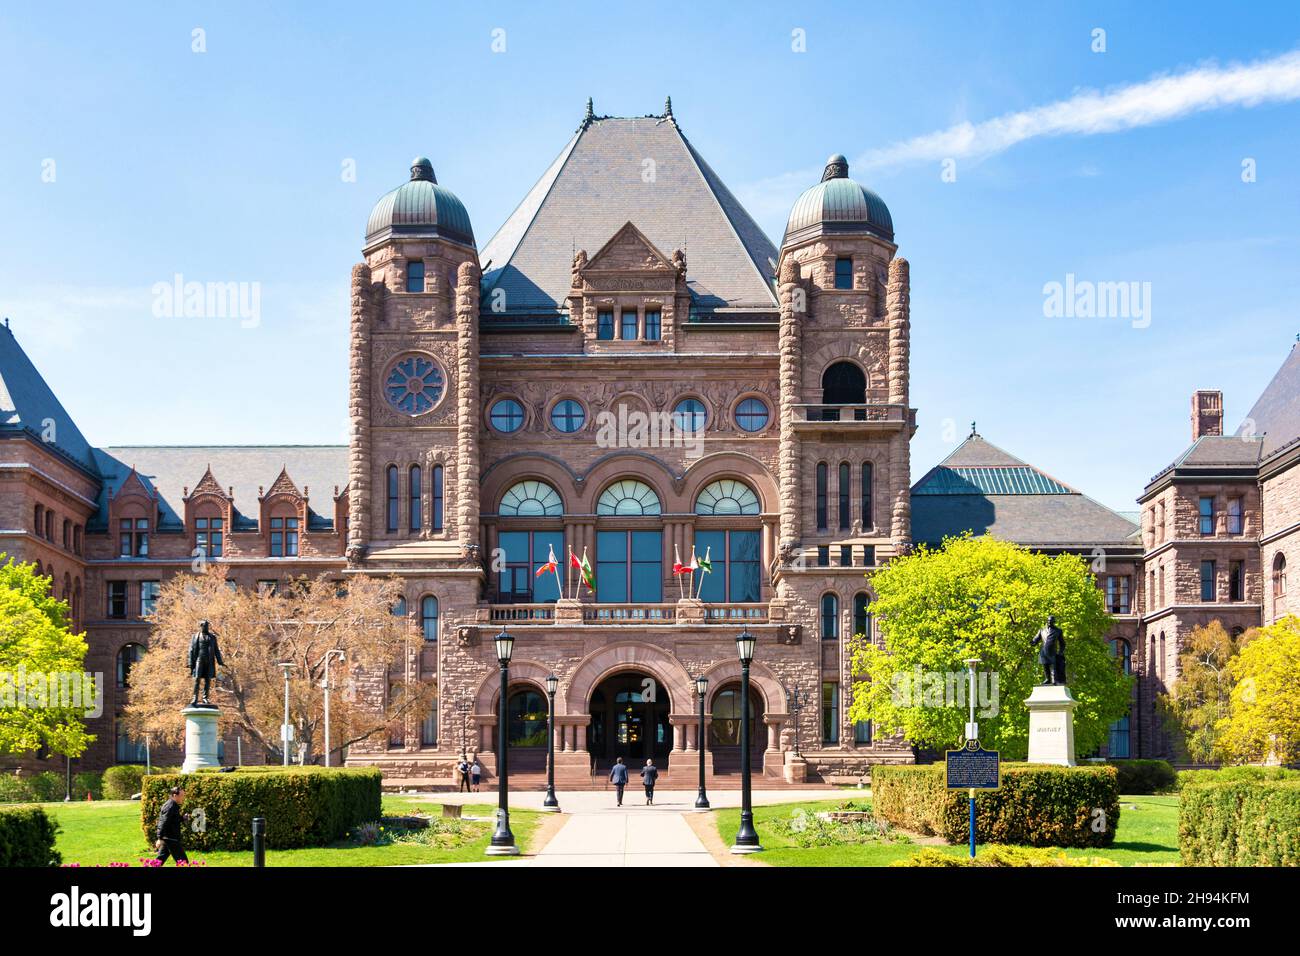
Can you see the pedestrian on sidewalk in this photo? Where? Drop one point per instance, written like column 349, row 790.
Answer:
column 475, row 773
column 462, row 771
column 618, row 774
column 169, row 829
column 649, row 774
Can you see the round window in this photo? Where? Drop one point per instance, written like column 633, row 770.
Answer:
column 507, row 415
column 752, row 414
column 414, row 384
column 689, row 415
column 568, row 416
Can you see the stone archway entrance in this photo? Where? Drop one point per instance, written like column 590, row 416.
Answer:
column 629, row 719
column 725, row 728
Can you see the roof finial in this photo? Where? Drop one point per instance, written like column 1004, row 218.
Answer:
column 421, row 168
column 590, row 116
column 837, row 167
column 973, row 432
column 668, row 107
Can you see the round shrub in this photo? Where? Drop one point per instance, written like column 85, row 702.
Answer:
column 1145, row 776
column 27, row 836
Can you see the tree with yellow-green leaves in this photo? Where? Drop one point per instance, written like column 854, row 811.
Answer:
column 986, row 598
column 45, row 693
column 1204, row 696
column 1263, row 720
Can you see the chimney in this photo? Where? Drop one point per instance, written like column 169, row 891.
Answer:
column 1207, row 413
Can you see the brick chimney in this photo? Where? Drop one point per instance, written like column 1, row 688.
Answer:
column 1207, row 413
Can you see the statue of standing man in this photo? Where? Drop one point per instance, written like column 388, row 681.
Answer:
column 1052, row 652
column 205, row 655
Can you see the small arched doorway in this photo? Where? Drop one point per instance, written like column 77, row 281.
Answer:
column 843, row 383
column 629, row 719
column 725, row 728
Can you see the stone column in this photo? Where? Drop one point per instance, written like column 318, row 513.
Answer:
column 794, row 310
column 898, row 310
column 679, row 736
column 467, row 407
column 359, row 375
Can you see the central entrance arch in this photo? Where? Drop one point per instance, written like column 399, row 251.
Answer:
column 629, row 719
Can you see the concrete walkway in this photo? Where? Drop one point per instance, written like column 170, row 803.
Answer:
column 599, row 833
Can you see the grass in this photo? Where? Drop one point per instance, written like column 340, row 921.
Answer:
column 1148, row 834
column 108, row 831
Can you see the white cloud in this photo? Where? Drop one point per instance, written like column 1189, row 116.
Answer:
column 1089, row 113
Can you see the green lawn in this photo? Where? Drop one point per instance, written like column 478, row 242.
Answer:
column 108, row 831
column 1148, row 833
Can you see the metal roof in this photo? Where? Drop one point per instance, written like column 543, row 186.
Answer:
column 28, row 406
column 838, row 204
column 1013, row 480
column 1275, row 416
column 420, row 208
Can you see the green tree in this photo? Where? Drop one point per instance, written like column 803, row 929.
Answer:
column 42, row 664
column 1263, row 720
column 985, row 598
column 1204, row 691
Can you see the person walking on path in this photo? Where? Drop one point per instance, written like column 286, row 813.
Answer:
column 618, row 774
column 476, row 773
column 462, row 771
column 169, row 829
column 649, row 774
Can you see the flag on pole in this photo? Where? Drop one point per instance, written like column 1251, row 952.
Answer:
column 695, row 564
column 548, row 567
column 678, row 567
column 706, row 567
column 587, row 574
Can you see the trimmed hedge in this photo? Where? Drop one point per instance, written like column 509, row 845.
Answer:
column 1038, row 805
column 124, row 780
column 1145, row 776
column 1000, row 855
column 303, row 806
column 27, row 837
column 1243, row 774
column 1240, row 823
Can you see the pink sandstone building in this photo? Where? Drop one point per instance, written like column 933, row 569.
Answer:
column 631, row 370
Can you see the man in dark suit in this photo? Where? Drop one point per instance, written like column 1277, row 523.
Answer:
column 205, row 655
column 649, row 774
column 169, row 829
column 618, row 775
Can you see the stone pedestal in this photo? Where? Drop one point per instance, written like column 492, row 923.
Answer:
column 1051, row 725
column 690, row 611
column 568, row 611
column 200, row 738
column 795, row 769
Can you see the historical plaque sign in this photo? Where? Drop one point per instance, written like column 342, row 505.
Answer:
column 974, row 768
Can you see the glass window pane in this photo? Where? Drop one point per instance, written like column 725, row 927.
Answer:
column 713, row 544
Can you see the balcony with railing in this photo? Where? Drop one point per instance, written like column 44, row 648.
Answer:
column 858, row 416
column 636, row 614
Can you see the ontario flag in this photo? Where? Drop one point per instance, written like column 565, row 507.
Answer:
column 584, row 570
column 547, row 568
column 678, row 567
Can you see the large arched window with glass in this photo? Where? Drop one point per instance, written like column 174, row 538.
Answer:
column 436, row 498
column 390, row 509
column 526, row 719
column 725, row 728
column 727, row 497
column 628, row 497
column 862, row 614
column 415, row 490
column 1279, row 575
column 733, row 555
column 830, row 617
column 399, row 607
column 843, row 383
column 530, row 499
column 429, row 617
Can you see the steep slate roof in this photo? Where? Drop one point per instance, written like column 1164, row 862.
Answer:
column 596, row 185
column 982, row 489
column 27, row 402
column 172, row 469
column 1275, row 416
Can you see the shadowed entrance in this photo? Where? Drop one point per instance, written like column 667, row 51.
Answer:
column 629, row 719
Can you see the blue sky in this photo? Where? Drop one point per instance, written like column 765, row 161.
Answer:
column 226, row 166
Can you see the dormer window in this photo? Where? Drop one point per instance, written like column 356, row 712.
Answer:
column 133, row 538
column 844, row 272
column 415, row 275
column 605, row 325
column 284, row 537
column 208, row 536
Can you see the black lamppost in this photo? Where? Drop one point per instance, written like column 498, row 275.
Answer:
column 701, row 688
column 503, row 841
column 746, row 836
column 550, row 803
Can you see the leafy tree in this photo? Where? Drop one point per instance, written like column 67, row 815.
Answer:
column 1204, row 691
column 44, row 691
column 304, row 623
column 985, row 598
column 1263, row 720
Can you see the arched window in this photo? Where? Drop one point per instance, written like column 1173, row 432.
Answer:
column 844, row 383
column 724, row 729
column 689, row 416
column 727, row 497
column 399, row 607
column 845, row 518
column 1122, row 651
column 437, row 497
column 862, row 614
column 529, row 499
column 867, row 521
column 628, row 497
column 429, row 617
column 830, row 617
column 391, row 510
column 1279, row 575
column 127, row 658
column 821, row 496
column 429, row 726
column 526, row 719
column 416, row 511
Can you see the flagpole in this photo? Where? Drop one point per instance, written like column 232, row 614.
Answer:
column 568, row 571
column 559, row 587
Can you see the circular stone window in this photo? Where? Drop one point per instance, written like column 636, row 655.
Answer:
column 506, row 415
column 752, row 415
column 568, row 416
column 414, row 384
